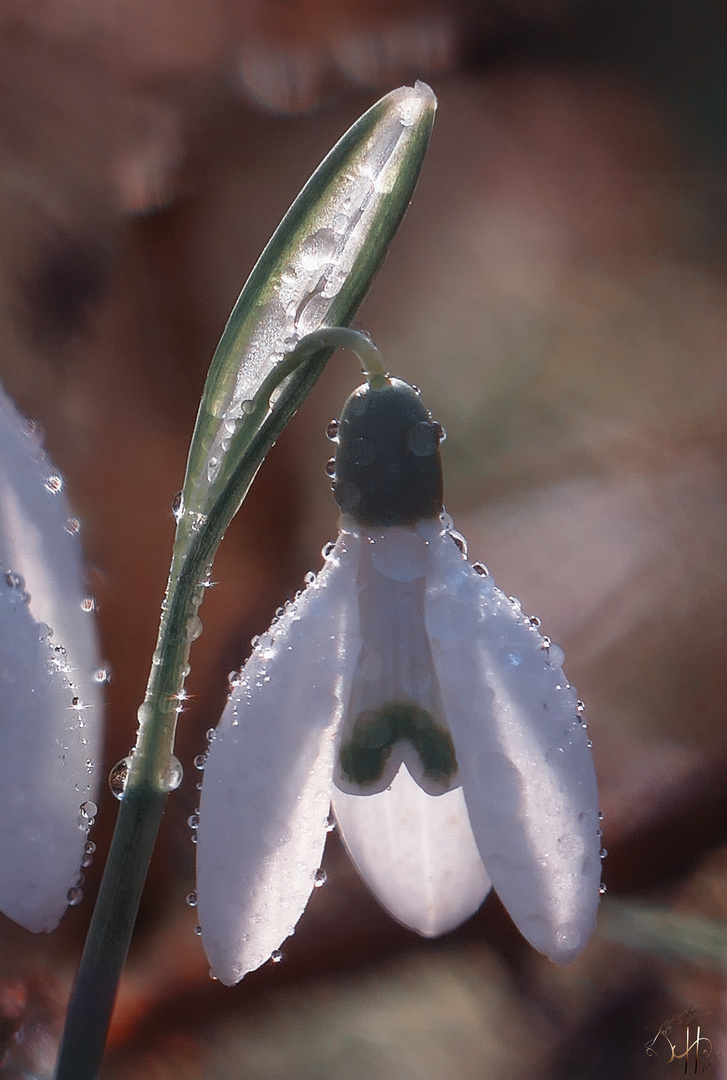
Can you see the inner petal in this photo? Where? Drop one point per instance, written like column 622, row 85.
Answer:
column 395, row 715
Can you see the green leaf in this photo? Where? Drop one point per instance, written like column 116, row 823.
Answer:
column 314, row 272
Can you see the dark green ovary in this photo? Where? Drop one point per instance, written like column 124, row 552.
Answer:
column 376, row 731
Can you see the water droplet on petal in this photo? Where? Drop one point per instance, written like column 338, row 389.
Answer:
column 331, row 467
column 328, row 549
column 319, row 879
column 459, row 541
column 603, row 853
column 53, row 484
column 88, row 604
column 193, row 627
column 198, row 931
column 200, row 761
column 73, row 526
column 602, row 889
column 422, row 439
column 481, row 569
column 193, row 820
column 178, row 506
column 309, row 578
column 332, row 430
column 192, row 899
column 75, row 896
column 276, row 956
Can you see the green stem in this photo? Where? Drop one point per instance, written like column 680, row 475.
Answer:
column 152, row 768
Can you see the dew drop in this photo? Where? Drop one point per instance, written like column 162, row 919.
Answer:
column 309, row 578
column 101, row 675
column 422, row 439
column 211, row 734
column 198, row 931
column 118, row 777
column 603, row 853
column 319, row 879
column 318, row 249
column 75, row 896
column 600, row 815
column 193, row 627
column 580, row 707
column 332, row 430
column 200, row 761
column 193, row 820
column 178, row 507
column 534, row 621
column 602, row 889
column 73, row 526
column 53, row 484
column 440, row 432
column 328, row 549
column 545, row 644
column 89, row 809
column 331, row 467
column 276, row 956
column 89, row 847
column 88, row 604
column 173, row 774
column 331, row 825
column 481, row 569
column 192, row 899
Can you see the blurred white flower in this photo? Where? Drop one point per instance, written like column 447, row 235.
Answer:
column 50, row 675
column 405, row 690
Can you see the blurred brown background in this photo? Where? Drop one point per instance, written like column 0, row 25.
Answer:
column 557, row 290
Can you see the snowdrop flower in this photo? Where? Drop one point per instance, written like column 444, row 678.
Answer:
column 50, row 728
column 405, row 690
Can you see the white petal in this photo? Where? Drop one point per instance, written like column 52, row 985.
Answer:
column 49, row 745
column 526, row 768
column 416, row 853
column 267, row 782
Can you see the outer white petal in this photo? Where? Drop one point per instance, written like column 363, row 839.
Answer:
column 416, row 853
column 50, row 727
column 526, row 767
column 267, row 782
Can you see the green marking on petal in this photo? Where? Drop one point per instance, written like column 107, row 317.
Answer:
column 376, row 731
